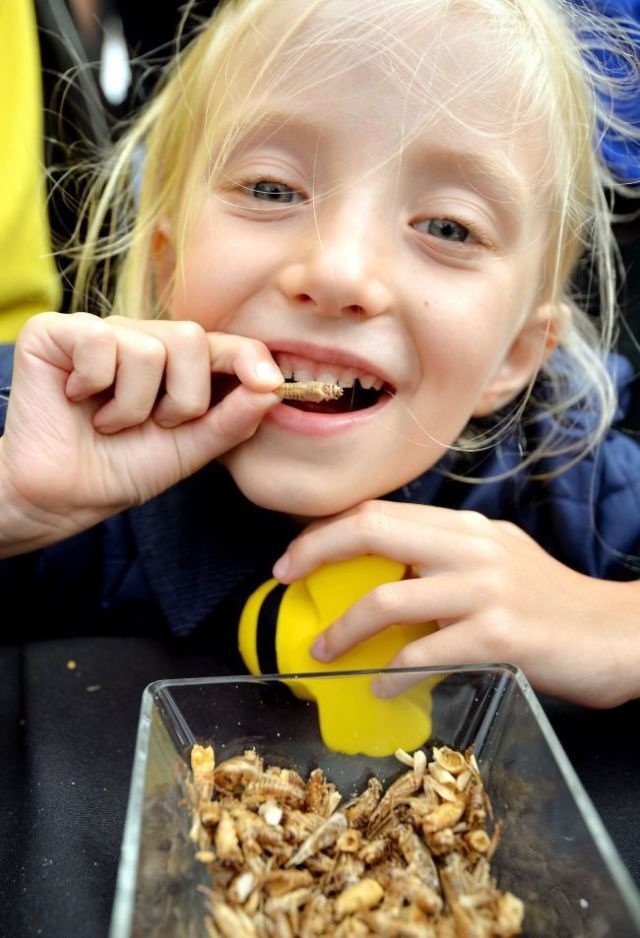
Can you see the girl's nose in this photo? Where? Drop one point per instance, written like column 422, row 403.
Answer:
column 340, row 267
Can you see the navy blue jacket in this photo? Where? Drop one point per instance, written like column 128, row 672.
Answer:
column 186, row 560
column 621, row 154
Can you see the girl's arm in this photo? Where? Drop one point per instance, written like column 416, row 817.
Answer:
column 107, row 413
column 494, row 593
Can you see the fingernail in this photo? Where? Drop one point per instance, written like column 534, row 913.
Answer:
column 281, row 567
column 379, row 688
column 319, row 649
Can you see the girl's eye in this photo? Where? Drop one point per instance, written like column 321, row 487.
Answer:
column 270, row 191
column 446, row 230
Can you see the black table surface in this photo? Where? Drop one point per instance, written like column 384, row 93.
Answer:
column 66, row 753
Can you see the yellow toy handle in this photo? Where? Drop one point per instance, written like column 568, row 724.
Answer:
column 278, row 626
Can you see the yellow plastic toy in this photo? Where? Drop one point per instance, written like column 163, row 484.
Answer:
column 278, row 626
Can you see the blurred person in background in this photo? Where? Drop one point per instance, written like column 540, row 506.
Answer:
column 29, row 281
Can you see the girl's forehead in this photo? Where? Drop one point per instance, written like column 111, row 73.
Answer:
column 396, row 31
column 436, row 54
column 410, row 63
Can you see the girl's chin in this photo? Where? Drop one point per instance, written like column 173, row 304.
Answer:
column 272, row 491
column 294, row 503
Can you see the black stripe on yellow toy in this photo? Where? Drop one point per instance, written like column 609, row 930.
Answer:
column 266, row 626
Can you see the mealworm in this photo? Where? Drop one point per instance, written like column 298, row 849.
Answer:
column 313, row 391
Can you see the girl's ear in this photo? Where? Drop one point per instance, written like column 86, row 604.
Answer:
column 534, row 343
column 164, row 262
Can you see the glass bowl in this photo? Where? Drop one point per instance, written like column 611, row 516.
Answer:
column 554, row 852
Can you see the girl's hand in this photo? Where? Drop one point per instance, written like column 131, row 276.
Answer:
column 106, row 413
column 494, row 593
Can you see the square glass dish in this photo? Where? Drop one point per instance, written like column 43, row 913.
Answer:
column 554, row 852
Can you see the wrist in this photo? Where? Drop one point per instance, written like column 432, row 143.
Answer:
column 26, row 526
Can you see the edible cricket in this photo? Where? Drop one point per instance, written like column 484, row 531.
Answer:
column 312, row 391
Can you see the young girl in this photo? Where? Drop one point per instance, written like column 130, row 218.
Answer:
column 397, row 196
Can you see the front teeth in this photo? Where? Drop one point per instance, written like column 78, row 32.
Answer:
column 301, row 374
column 345, row 378
column 369, row 381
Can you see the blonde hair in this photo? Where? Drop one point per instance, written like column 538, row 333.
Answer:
column 550, row 53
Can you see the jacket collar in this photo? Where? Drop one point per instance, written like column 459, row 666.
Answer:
column 202, row 539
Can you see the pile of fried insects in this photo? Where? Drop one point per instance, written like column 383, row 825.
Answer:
column 288, row 858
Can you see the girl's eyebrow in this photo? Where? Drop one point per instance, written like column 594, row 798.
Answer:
column 276, row 120
column 493, row 177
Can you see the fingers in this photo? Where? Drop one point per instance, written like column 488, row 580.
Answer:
column 81, row 347
column 231, row 422
column 450, row 647
column 402, row 602
column 137, row 369
column 185, row 379
column 469, row 586
column 424, row 537
column 459, row 644
column 140, row 366
column 135, row 399
column 165, row 369
column 248, row 359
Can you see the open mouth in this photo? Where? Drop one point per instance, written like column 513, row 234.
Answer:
column 361, row 390
column 355, row 397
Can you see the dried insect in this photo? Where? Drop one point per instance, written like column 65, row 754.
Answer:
column 283, row 786
column 349, row 841
column 366, row 894
column 399, row 790
column 478, row 840
column 278, row 882
column 271, row 812
column 449, row 759
column 242, row 887
column 325, row 836
column 315, row 916
column 441, row 841
column 313, row 391
column 299, row 824
column 359, row 810
column 202, row 767
column 403, row 885
column 226, row 839
column 445, row 815
column 411, row 861
column 234, row 775
column 347, row 870
column 417, row 855
column 373, row 851
column 321, row 796
column 233, row 923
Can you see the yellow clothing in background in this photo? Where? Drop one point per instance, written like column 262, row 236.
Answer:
column 29, row 281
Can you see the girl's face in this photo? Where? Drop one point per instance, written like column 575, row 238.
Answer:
column 385, row 234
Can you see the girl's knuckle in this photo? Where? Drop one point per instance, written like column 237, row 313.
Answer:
column 385, row 600
column 254, row 348
column 498, row 634
column 509, row 527
column 475, row 522
column 190, row 332
column 490, row 585
column 369, row 520
column 150, row 352
column 491, row 555
column 410, row 656
column 136, row 415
